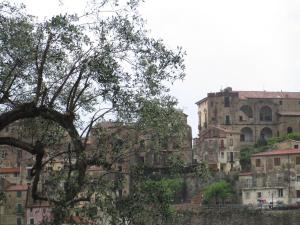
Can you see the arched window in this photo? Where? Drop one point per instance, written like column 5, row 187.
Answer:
column 247, row 110
column 289, row 130
column 266, row 133
column 246, row 134
column 265, row 113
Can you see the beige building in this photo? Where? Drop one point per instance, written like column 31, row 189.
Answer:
column 275, row 177
column 249, row 116
column 12, row 211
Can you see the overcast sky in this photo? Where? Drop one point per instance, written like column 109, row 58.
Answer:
column 248, row 45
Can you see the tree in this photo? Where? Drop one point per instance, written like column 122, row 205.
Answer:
column 218, row 191
column 60, row 76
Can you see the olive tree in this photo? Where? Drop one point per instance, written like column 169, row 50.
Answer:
column 61, row 75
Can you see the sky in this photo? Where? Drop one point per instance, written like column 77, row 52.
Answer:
column 247, row 45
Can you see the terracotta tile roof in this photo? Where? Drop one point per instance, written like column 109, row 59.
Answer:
column 95, row 168
column 245, row 174
column 17, row 187
column 278, row 152
column 289, row 113
column 9, row 170
column 267, row 94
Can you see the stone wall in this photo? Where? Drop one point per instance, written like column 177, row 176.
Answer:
column 238, row 216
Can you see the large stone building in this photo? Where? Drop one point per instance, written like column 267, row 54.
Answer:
column 245, row 117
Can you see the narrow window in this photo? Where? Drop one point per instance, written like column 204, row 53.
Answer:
column 227, row 120
column 222, row 155
column 19, row 208
column 298, row 160
column 222, row 144
column 31, row 221
column 276, row 161
column 19, row 194
column 226, row 101
column 298, row 178
column 241, row 118
column 298, row 193
column 280, row 193
column 19, row 221
column 257, row 163
column 242, row 137
column 280, row 102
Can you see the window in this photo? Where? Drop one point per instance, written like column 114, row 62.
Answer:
column 257, row 163
column 249, row 183
column 296, row 146
column 222, row 155
column 276, row 161
column 241, row 118
column 247, row 110
column 246, row 134
column 280, row 193
column 222, row 144
column 298, row 193
column 31, row 221
column 258, row 194
column 226, row 101
column 227, row 120
column 280, row 102
column 19, row 208
column 19, row 194
column 298, row 178
column 298, row 160
column 231, row 142
column 289, row 130
column 242, row 137
column 265, row 114
column 19, row 221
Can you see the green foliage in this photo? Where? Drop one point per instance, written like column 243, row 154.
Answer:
column 149, row 203
column 217, row 192
column 290, row 136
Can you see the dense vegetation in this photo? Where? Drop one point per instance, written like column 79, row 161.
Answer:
column 217, row 192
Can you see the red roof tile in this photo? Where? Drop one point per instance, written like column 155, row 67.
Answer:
column 246, row 174
column 278, row 152
column 17, row 187
column 267, row 94
column 9, row 170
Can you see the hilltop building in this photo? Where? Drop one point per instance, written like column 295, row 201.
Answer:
column 230, row 120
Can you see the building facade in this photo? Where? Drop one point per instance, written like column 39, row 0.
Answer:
column 274, row 178
column 251, row 115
